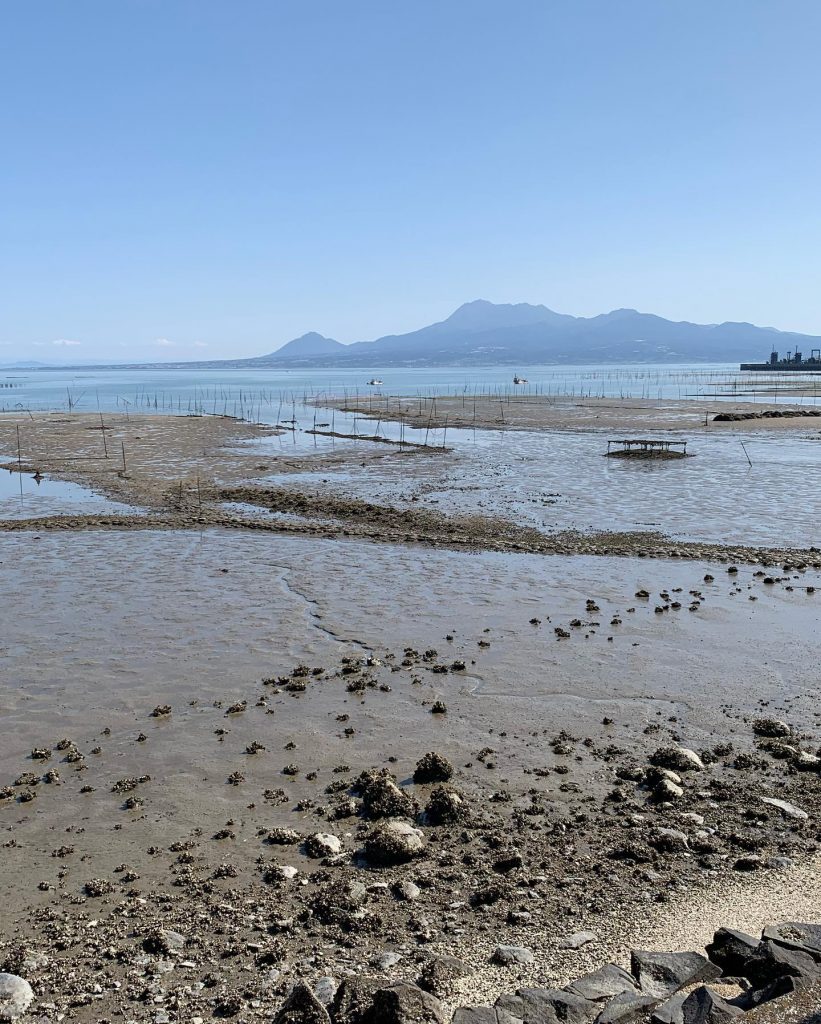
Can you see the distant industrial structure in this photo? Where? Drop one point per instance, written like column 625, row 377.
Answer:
column 793, row 362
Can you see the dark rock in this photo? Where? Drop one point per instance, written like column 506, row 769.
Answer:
column 549, row 1006
column 475, row 1015
column 806, row 938
column 444, row 806
column 705, row 1007
column 507, row 860
column 783, row 986
column 662, row 974
column 433, row 767
column 163, row 941
column 406, row 1004
column 730, row 950
column 625, row 1008
column 771, row 727
column 752, row 863
column 439, row 974
column 605, row 983
column 302, row 1007
column 483, row 1015
column 504, row 1017
column 382, row 798
column 771, row 961
column 670, row 1011
column 353, row 1001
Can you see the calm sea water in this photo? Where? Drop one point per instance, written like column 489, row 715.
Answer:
column 263, row 393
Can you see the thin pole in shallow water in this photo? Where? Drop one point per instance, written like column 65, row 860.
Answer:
column 745, row 452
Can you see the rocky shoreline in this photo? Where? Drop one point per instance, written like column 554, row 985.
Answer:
column 741, row 972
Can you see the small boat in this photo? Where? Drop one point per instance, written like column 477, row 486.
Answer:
column 375, row 382
column 519, row 380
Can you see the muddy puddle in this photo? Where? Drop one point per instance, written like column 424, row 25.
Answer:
column 23, row 496
column 559, row 481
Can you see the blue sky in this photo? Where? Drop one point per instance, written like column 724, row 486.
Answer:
column 198, row 179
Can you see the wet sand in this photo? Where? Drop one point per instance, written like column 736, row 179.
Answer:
column 144, row 460
column 538, row 726
column 627, row 417
column 210, row 674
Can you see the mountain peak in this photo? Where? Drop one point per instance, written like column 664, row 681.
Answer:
column 480, row 314
column 484, row 333
column 308, row 345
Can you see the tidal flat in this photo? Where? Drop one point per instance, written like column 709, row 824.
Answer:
column 217, row 702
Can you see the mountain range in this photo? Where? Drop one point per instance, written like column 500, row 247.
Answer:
column 481, row 333
column 485, row 333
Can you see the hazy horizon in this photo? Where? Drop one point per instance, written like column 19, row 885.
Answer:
column 193, row 181
column 168, row 356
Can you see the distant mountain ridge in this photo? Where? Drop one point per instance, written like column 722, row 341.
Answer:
column 505, row 334
column 482, row 332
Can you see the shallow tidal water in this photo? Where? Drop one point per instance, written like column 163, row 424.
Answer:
column 113, row 623
column 24, row 497
column 562, row 480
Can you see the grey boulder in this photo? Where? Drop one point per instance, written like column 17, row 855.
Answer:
column 406, row 1004
column 483, row 1015
column 804, row 937
column 705, row 1007
column 475, row 1015
column 605, row 983
column 577, row 940
column 548, row 1006
column 302, row 1007
column 507, row 955
column 661, row 974
column 394, row 843
column 626, row 1007
column 16, row 996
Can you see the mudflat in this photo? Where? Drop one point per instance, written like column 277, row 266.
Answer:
column 212, row 729
column 628, row 417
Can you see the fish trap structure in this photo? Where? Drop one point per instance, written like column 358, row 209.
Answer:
column 646, row 448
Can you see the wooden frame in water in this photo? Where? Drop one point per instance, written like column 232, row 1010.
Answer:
column 647, row 448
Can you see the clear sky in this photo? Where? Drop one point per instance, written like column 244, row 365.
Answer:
column 196, row 179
